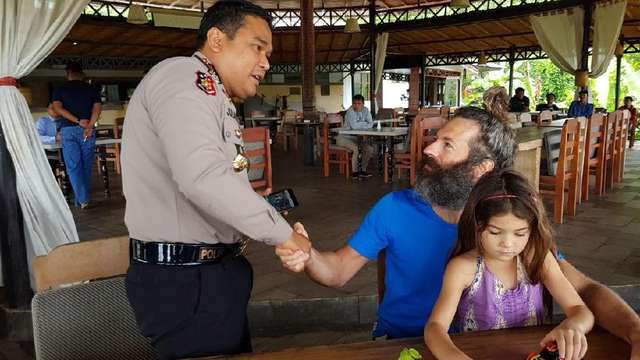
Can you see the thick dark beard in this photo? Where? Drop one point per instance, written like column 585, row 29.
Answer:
column 445, row 187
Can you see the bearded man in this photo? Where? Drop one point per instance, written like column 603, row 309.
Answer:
column 417, row 228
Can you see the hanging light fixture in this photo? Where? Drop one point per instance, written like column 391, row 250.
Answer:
column 352, row 26
column 619, row 49
column 482, row 58
column 136, row 15
column 459, row 4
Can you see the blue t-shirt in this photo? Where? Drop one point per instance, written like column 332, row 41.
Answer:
column 579, row 109
column 78, row 98
column 418, row 244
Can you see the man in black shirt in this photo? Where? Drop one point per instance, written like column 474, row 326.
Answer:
column 549, row 105
column 80, row 105
column 519, row 102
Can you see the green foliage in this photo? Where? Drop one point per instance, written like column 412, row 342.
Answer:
column 409, row 354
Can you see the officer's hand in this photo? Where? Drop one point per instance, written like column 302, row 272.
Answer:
column 294, row 260
column 88, row 132
column 265, row 192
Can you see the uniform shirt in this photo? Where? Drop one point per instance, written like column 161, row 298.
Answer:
column 518, row 105
column 578, row 109
column 418, row 244
column 179, row 141
column 48, row 128
column 78, row 97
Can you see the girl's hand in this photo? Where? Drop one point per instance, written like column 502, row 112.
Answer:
column 572, row 342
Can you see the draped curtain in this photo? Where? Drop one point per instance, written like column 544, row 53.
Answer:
column 560, row 36
column 381, row 54
column 608, row 18
column 29, row 31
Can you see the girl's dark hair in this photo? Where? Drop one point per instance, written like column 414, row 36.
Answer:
column 502, row 192
column 228, row 16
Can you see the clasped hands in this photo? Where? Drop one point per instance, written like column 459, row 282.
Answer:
column 295, row 252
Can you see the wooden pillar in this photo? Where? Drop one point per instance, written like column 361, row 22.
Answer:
column 308, row 41
column 586, row 37
column 380, row 94
column 372, row 45
column 423, row 75
column 414, row 88
column 512, row 63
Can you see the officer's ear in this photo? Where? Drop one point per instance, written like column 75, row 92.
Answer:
column 215, row 39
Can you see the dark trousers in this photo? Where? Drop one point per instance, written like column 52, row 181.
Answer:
column 191, row 311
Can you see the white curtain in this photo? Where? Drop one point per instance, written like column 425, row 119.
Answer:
column 29, row 31
column 381, row 54
column 608, row 18
column 560, row 36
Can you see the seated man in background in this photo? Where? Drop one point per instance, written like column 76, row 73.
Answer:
column 633, row 121
column 519, row 102
column 549, row 105
column 581, row 107
column 357, row 117
column 49, row 126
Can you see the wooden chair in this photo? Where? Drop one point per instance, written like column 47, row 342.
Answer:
column 331, row 153
column 420, row 136
column 287, row 129
column 256, row 114
column 594, row 154
column 258, row 150
column 566, row 165
column 427, row 134
column 113, row 153
column 546, row 116
column 612, row 130
column 429, row 112
column 622, row 144
column 89, row 320
column 444, row 112
column 387, row 114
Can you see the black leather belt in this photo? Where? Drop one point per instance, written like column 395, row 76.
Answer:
column 182, row 254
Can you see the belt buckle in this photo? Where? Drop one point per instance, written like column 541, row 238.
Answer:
column 242, row 246
column 208, row 254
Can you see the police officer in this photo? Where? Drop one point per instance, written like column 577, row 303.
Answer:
column 188, row 196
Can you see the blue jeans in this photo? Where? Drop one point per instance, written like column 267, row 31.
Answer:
column 78, row 159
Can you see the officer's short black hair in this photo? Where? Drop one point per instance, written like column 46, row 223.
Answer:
column 583, row 92
column 74, row 67
column 519, row 89
column 630, row 98
column 358, row 97
column 228, row 16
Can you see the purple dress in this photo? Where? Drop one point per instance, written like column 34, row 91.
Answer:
column 486, row 304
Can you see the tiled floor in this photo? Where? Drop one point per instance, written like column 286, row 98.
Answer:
column 603, row 240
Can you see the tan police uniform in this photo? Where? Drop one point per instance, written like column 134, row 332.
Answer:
column 184, row 177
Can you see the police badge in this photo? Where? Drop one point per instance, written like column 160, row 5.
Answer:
column 205, row 83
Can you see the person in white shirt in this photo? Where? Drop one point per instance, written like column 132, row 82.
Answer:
column 357, row 117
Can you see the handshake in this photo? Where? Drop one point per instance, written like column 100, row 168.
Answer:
column 296, row 251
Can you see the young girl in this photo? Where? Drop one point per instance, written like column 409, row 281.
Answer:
column 494, row 280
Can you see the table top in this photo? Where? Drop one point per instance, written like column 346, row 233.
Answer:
column 264, row 118
column 385, row 131
column 311, row 123
column 99, row 141
column 508, row 344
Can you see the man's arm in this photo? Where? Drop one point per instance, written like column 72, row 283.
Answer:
column 610, row 311
column 95, row 114
column 57, row 105
column 330, row 268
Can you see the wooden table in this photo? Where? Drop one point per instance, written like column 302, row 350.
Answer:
column 509, row 344
column 61, row 174
column 387, row 134
column 527, row 161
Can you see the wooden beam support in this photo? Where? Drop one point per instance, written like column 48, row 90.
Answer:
column 308, row 55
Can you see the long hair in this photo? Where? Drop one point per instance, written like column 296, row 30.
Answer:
column 496, row 101
column 502, row 192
